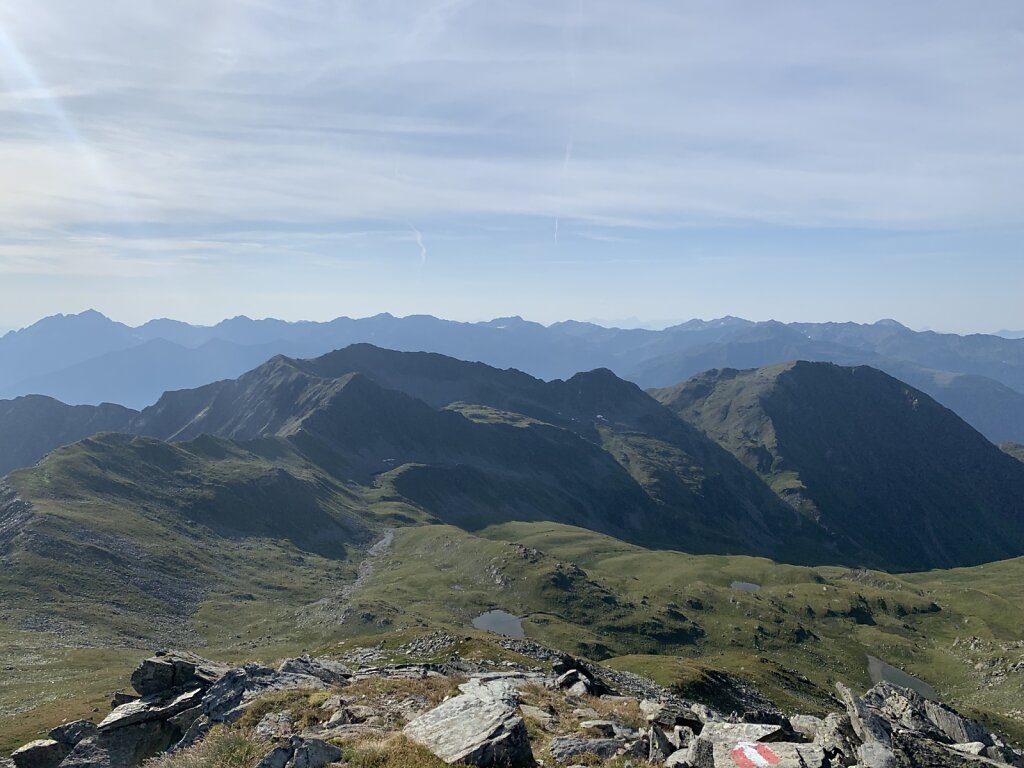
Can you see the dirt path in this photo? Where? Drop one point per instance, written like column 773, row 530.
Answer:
column 335, row 608
column 381, row 547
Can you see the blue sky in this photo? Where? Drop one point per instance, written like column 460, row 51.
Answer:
column 470, row 159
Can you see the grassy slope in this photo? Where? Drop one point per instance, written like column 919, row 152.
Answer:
column 675, row 617
column 666, row 614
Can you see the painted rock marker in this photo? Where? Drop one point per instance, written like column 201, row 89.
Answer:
column 748, row 754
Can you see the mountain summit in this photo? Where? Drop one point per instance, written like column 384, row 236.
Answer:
column 879, row 464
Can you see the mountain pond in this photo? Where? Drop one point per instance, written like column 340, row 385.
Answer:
column 880, row 671
column 746, row 586
column 500, row 623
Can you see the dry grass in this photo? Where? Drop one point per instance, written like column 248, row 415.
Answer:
column 432, row 690
column 304, row 706
column 626, row 712
column 220, row 749
column 394, row 751
column 397, row 700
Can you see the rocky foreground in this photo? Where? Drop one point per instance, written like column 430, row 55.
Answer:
column 189, row 712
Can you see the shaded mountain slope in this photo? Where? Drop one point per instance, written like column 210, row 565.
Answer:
column 32, row 426
column 709, row 500
column 891, row 473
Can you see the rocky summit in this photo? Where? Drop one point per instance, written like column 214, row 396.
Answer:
column 550, row 710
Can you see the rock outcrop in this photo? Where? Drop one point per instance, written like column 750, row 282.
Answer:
column 482, row 727
column 577, row 718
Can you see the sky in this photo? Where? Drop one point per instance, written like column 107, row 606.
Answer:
column 588, row 159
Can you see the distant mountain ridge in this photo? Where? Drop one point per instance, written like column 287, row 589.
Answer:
column 89, row 359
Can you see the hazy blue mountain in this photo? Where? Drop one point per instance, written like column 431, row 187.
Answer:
column 88, row 358
column 32, row 426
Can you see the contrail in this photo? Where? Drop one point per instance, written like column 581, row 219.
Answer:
column 419, row 242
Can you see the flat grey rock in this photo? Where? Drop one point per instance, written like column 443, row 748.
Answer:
column 147, row 708
column 41, row 753
column 480, row 727
column 278, row 757
column 227, row 699
column 566, row 748
column 313, row 753
column 74, row 732
column 736, row 732
column 328, row 671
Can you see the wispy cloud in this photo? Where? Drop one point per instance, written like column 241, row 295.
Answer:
column 602, row 116
column 823, row 115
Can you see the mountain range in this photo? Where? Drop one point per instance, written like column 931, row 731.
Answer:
column 805, row 463
column 90, row 359
column 368, row 491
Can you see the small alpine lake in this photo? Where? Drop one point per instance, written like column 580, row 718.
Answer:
column 746, row 586
column 500, row 623
column 881, row 671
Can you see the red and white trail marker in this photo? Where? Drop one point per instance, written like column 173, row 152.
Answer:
column 748, row 754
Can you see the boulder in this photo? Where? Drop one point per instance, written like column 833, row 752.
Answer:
column 875, row 754
column 659, row 746
column 872, row 730
column 74, row 732
column 120, row 697
column 42, row 753
column 565, row 748
column 230, row 696
column 313, row 753
column 783, row 755
column 168, row 670
column 912, row 750
column 542, row 716
column 278, row 757
column 276, row 725
column 301, row 752
column 154, row 707
column 737, row 732
column 971, row 748
column 908, row 710
column 604, row 728
column 835, row 735
column 681, row 736
column 752, row 754
column 88, row 754
column 806, row 725
column 669, row 716
column 867, row 724
column 329, row 672
column 638, row 749
column 481, row 727
column 575, row 683
column 351, row 715
column 123, row 747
